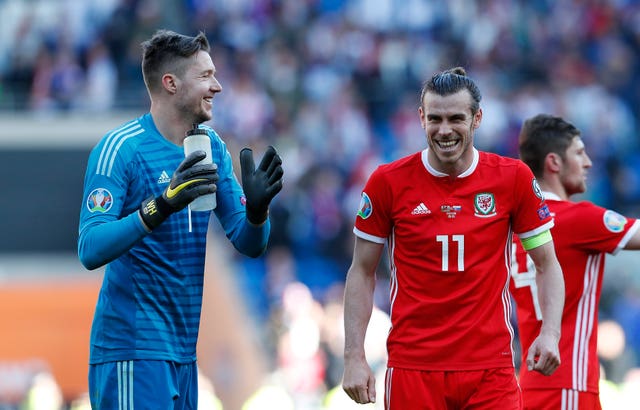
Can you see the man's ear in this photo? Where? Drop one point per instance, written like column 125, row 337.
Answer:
column 553, row 162
column 477, row 118
column 169, row 83
column 423, row 120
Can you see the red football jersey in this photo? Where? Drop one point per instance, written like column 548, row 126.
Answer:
column 583, row 233
column 449, row 241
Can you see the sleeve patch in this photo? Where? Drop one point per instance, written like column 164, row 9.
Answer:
column 99, row 200
column 543, row 212
column 366, row 209
column 536, row 189
column 613, row 221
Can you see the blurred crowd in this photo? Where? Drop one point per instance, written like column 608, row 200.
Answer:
column 334, row 85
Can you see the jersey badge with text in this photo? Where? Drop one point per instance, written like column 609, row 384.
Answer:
column 365, row 206
column 485, row 205
column 543, row 212
column 99, row 200
column 536, row 189
column 451, row 210
column 613, row 221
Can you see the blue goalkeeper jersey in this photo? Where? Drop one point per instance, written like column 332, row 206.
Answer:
column 151, row 298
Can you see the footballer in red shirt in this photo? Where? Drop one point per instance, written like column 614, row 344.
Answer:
column 583, row 234
column 447, row 215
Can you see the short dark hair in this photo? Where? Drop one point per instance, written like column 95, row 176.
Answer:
column 450, row 82
column 541, row 135
column 165, row 52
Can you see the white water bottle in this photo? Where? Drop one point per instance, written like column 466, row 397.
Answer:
column 198, row 139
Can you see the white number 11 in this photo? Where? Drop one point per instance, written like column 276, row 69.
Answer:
column 444, row 240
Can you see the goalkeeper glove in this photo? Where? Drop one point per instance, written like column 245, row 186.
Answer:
column 262, row 184
column 188, row 182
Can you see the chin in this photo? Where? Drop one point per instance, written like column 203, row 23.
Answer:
column 579, row 190
column 203, row 117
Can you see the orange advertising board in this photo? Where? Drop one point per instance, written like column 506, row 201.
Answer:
column 45, row 325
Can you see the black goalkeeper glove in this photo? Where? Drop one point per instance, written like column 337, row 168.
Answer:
column 262, row 184
column 188, row 182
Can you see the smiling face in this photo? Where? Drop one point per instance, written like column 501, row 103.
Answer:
column 449, row 125
column 196, row 87
column 574, row 167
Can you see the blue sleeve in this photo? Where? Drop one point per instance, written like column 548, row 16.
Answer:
column 248, row 239
column 108, row 228
column 101, row 243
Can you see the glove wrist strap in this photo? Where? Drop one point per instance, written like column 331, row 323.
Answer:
column 257, row 217
column 154, row 210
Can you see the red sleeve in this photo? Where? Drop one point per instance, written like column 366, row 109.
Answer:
column 531, row 214
column 373, row 216
column 596, row 229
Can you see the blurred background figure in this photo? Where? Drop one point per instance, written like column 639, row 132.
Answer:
column 44, row 393
column 29, row 385
column 331, row 83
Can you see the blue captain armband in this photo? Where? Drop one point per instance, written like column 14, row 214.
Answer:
column 536, row 240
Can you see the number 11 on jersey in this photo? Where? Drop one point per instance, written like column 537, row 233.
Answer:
column 444, row 240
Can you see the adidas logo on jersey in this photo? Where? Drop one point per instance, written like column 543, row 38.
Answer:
column 421, row 210
column 164, row 178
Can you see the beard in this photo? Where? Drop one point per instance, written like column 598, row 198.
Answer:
column 196, row 114
column 200, row 117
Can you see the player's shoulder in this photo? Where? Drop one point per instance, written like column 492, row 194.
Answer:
column 579, row 213
column 120, row 144
column 580, row 210
column 500, row 167
column 127, row 133
column 216, row 139
column 212, row 133
column 586, row 214
column 400, row 165
column 577, row 206
column 492, row 159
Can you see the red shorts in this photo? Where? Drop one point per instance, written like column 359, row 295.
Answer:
column 442, row 390
column 560, row 399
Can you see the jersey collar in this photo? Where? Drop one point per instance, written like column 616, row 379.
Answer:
column 551, row 195
column 434, row 172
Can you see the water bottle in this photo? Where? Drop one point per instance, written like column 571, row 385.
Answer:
column 198, row 139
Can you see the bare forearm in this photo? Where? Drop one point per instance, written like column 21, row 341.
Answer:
column 551, row 293
column 358, row 305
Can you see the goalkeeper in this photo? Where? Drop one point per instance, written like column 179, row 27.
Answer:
column 135, row 220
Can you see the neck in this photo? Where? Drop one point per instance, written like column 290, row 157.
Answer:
column 554, row 185
column 454, row 168
column 169, row 124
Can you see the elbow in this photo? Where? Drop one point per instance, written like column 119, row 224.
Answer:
column 87, row 261
column 90, row 265
column 258, row 253
column 250, row 241
column 254, row 252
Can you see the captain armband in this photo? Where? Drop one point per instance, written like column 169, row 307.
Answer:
column 536, row 240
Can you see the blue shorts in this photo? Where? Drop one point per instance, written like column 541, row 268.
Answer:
column 143, row 384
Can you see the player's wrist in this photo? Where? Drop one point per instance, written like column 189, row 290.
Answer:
column 354, row 354
column 548, row 331
column 257, row 216
column 154, row 210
